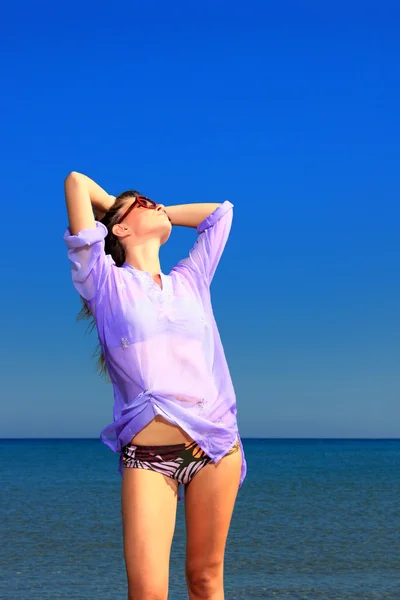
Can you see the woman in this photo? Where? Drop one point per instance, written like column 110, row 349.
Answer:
column 174, row 418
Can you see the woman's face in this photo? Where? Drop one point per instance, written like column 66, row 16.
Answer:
column 143, row 223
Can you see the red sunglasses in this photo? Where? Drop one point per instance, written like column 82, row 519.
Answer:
column 141, row 201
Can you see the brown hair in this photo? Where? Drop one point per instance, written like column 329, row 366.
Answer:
column 112, row 246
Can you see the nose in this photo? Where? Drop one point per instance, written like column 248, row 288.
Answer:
column 160, row 207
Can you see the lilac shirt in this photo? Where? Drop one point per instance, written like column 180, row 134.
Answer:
column 161, row 346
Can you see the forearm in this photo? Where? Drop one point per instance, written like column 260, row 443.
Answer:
column 190, row 215
column 100, row 200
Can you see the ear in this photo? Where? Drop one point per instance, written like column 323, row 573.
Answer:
column 119, row 230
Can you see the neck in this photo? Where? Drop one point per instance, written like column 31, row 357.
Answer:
column 144, row 257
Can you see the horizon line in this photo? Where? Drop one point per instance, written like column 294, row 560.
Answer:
column 242, row 437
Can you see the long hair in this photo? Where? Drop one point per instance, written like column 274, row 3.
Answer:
column 112, row 246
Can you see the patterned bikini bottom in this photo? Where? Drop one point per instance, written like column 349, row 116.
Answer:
column 178, row 461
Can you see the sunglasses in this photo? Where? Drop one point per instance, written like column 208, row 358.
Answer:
column 141, row 201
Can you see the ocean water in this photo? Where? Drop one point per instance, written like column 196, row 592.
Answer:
column 314, row 520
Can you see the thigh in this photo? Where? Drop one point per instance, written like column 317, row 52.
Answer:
column 148, row 506
column 209, row 502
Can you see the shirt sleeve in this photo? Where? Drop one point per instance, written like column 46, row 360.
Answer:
column 90, row 265
column 213, row 232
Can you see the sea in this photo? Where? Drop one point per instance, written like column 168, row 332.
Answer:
column 315, row 519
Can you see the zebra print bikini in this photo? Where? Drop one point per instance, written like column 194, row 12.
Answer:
column 178, row 461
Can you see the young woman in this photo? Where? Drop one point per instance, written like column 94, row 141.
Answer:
column 174, row 418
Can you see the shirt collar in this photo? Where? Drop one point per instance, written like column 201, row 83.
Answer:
column 139, row 271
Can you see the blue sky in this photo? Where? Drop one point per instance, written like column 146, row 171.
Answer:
column 288, row 111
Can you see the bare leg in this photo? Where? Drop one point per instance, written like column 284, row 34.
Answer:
column 148, row 506
column 209, row 502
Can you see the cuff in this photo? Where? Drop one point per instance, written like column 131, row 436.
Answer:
column 85, row 237
column 215, row 216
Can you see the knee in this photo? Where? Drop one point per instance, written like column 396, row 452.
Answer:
column 205, row 581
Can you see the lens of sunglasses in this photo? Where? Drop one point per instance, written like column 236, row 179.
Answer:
column 144, row 201
column 141, row 201
column 147, row 203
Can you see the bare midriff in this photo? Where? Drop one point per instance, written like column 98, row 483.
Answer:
column 159, row 432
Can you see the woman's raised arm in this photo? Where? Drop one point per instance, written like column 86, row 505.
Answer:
column 83, row 196
column 90, row 265
column 190, row 215
column 213, row 233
